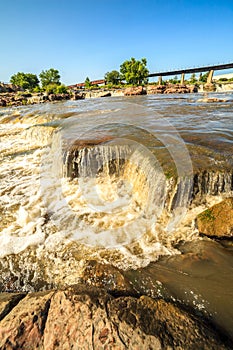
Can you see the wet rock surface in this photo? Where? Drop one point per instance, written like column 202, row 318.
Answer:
column 11, row 99
column 106, row 276
column 88, row 318
column 217, row 221
column 212, row 183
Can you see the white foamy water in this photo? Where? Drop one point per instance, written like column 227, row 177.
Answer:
column 113, row 209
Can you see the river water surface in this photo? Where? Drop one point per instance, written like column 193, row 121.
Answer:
column 111, row 180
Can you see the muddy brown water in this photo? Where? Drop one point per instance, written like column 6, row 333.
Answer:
column 49, row 230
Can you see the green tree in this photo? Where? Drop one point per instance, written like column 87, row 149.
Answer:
column 61, row 89
column 174, row 80
column 87, row 83
column 50, row 76
column 134, row 71
column 112, row 77
column 193, row 79
column 203, row 77
column 56, row 89
column 27, row 81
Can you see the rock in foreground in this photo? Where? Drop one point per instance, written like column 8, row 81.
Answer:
column 217, row 221
column 81, row 318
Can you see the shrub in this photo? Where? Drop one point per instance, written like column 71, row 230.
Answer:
column 37, row 89
column 51, row 89
column 61, row 89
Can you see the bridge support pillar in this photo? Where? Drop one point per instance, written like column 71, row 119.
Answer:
column 160, row 80
column 210, row 76
column 182, row 79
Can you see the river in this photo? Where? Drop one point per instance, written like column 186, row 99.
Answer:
column 111, row 179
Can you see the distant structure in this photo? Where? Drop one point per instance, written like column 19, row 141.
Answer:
column 209, row 69
column 93, row 82
column 181, row 72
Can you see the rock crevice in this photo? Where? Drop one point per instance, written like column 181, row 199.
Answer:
column 88, row 318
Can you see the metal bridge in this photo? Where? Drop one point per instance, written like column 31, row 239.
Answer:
column 209, row 69
column 192, row 70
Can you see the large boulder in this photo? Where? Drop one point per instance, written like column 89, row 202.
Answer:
column 58, row 97
column 156, row 89
column 78, row 95
column 132, row 91
column 217, row 221
column 87, row 318
column 177, row 89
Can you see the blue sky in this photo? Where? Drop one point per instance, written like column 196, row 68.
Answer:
column 89, row 38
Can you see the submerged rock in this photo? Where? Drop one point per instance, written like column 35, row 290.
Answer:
column 218, row 220
column 87, row 318
column 212, row 99
column 106, row 276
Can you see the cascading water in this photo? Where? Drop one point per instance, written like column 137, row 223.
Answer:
column 94, row 180
column 120, row 187
column 65, row 203
column 71, row 192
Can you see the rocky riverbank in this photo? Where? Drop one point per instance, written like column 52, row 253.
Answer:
column 84, row 317
column 11, row 96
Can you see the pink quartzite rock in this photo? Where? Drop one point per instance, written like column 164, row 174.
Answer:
column 88, row 318
column 171, row 89
column 132, row 91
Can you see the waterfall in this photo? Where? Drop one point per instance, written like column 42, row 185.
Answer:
column 212, row 183
column 122, row 177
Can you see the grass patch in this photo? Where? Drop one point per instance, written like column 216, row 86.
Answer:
column 207, row 215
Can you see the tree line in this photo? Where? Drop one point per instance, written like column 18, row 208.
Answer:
column 49, row 81
column 131, row 71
